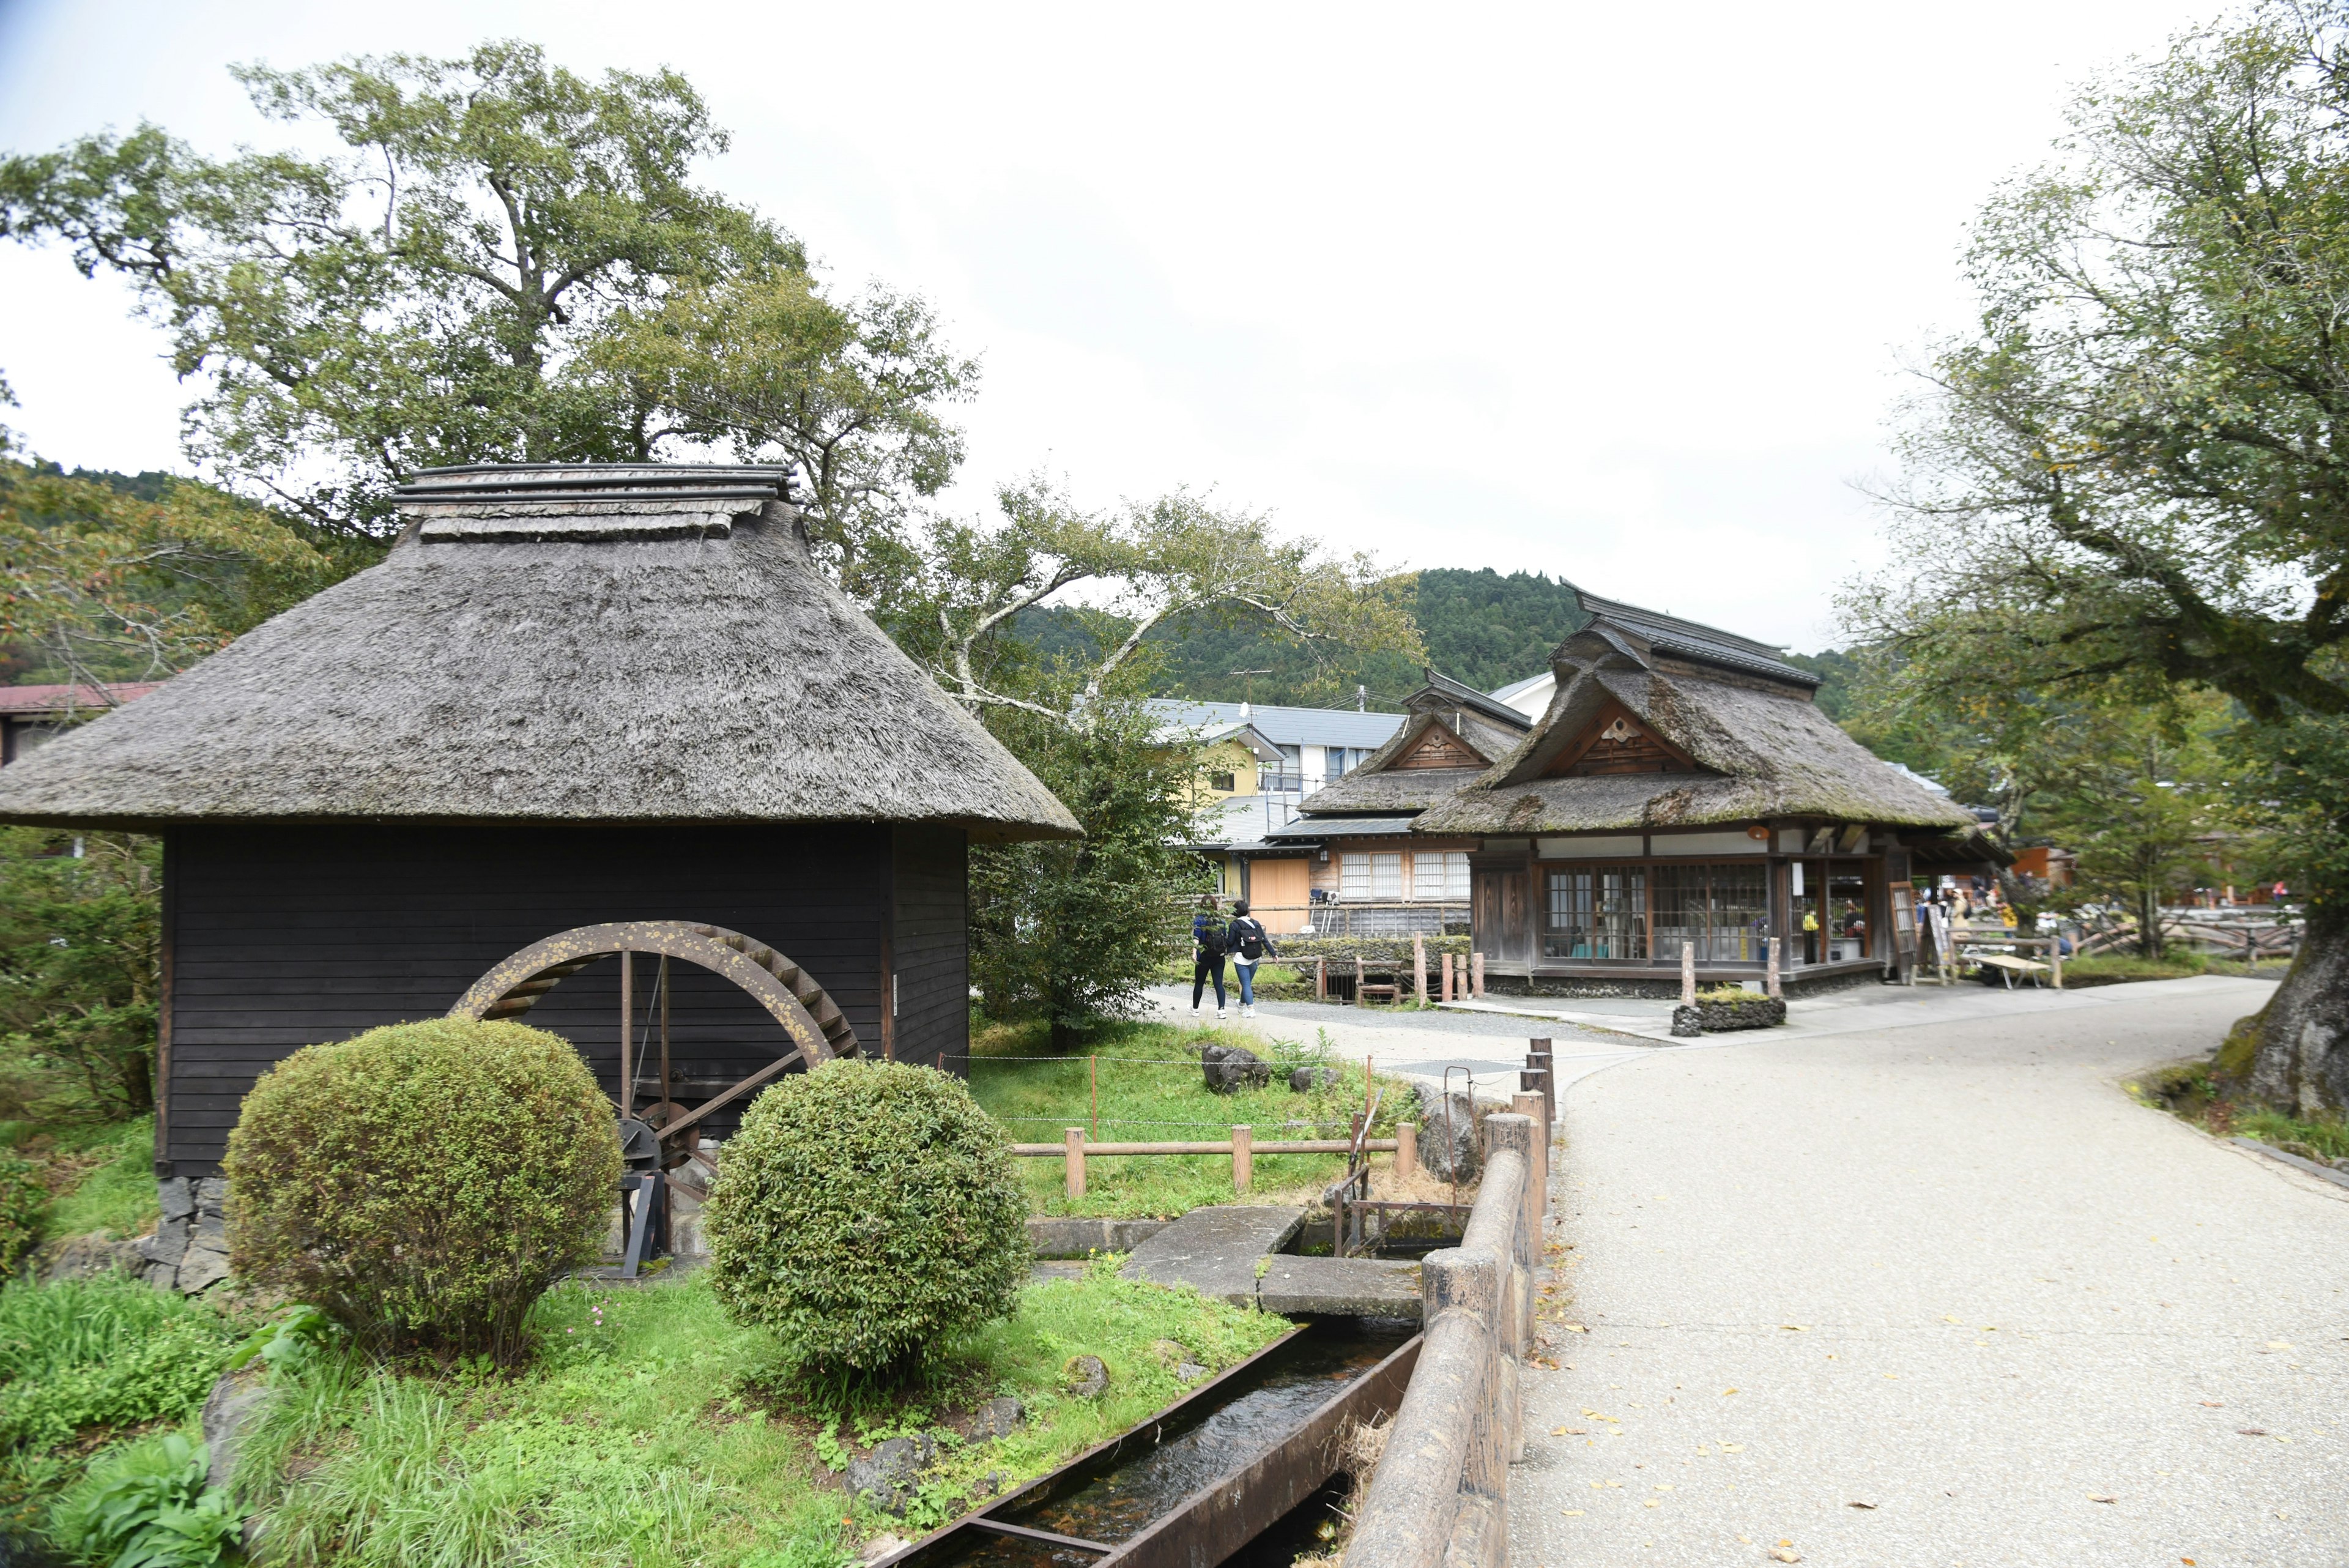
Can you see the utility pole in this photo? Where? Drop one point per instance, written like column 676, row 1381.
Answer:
column 1251, row 675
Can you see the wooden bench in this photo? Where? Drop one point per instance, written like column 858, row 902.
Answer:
column 2009, row 966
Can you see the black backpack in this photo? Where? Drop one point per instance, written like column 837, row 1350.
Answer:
column 1248, row 938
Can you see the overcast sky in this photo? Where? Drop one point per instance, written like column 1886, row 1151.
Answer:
column 1619, row 294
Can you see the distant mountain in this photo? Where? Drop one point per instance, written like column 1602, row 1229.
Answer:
column 1480, row 626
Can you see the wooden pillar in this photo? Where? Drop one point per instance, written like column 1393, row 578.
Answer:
column 1771, row 986
column 1530, row 1106
column 1447, row 976
column 1076, row 1159
column 1688, row 972
column 1406, row 1164
column 627, row 1032
column 1243, row 1156
column 1419, row 965
column 1320, row 976
column 1477, row 971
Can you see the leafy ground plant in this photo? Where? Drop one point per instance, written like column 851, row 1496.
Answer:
column 1152, row 1090
column 2199, row 1093
column 105, row 1352
column 145, row 1505
column 650, row 1430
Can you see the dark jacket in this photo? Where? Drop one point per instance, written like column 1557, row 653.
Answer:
column 1246, row 932
column 1207, row 934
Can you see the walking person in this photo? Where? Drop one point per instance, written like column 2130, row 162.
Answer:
column 1249, row 944
column 1208, row 954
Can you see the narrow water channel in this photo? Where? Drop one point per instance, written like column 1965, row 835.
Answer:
column 1159, row 1464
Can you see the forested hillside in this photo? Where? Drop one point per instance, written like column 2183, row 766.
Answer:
column 1480, row 626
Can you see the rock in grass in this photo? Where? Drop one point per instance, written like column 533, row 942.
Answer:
column 1086, row 1376
column 1305, row 1080
column 886, row 1477
column 999, row 1418
column 1231, row 1068
column 1447, row 1136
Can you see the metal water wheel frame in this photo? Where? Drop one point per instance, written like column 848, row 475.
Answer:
column 819, row 1031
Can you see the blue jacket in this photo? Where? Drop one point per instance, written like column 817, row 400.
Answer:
column 1207, row 934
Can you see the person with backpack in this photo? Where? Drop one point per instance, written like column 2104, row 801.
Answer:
column 1250, row 943
column 1207, row 952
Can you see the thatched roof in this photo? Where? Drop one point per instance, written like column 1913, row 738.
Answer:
column 1489, row 728
column 1757, row 748
column 555, row 643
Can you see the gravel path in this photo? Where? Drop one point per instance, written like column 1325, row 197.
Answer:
column 1951, row 1271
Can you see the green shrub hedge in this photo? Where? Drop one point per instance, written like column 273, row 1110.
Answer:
column 423, row 1183
column 864, row 1212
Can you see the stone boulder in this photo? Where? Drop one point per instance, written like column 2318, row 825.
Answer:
column 231, row 1409
column 1230, row 1068
column 999, row 1418
column 87, row 1256
column 886, row 1476
column 1306, row 1080
column 1086, row 1376
column 1455, row 1156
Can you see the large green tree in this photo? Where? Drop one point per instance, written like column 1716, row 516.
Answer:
column 508, row 261
column 2132, row 477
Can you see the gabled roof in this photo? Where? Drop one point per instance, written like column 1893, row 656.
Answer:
column 1675, row 638
column 1762, row 750
column 597, row 643
column 1284, row 726
column 1488, row 729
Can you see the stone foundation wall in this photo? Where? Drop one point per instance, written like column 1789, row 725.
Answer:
column 189, row 1251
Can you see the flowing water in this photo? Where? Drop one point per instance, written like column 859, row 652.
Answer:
column 1161, row 1463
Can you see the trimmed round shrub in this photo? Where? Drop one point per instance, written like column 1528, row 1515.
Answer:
column 423, row 1183
column 864, row 1212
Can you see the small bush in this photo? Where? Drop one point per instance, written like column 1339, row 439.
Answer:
column 423, row 1183
column 864, row 1211
column 23, row 1201
column 104, row 1352
column 147, row 1505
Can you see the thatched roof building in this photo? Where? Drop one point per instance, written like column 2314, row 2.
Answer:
column 564, row 643
column 572, row 696
column 1681, row 791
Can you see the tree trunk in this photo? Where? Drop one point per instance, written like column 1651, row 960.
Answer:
column 2149, row 921
column 2301, row 1038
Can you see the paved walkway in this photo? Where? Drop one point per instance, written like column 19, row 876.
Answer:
column 1951, row 1271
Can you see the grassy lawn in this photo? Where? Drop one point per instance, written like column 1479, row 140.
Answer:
column 1152, row 1091
column 652, row 1431
column 100, row 1175
column 2112, row 968
column 648, row 1429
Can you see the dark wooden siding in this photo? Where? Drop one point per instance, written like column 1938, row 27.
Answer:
column 285, row 935
column 933, row 1027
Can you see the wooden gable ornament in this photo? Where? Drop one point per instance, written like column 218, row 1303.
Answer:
column 1617, row 743
column 1438, row 747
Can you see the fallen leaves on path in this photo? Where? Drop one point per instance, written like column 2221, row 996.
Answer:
column 1784, row 1554
column 1856, row 1504
column 2093, row 1498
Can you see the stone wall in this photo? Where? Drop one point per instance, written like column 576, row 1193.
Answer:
column 189, row 1251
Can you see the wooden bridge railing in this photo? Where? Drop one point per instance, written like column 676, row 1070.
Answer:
column 1440, row 1495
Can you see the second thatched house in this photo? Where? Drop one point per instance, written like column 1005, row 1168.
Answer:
column 1680, row 792
column 582, row 721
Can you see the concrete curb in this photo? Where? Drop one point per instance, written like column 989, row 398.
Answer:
column 2337, row 1178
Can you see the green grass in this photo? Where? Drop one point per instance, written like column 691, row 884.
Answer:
column 2113, row 969
column 2194, row 1092
column 117, row 1197
column 1152, row 1091
column 109, row 1351
column 652, row 1431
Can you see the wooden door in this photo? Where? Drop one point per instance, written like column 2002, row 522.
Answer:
column 1503, row 916
column 1279, row 893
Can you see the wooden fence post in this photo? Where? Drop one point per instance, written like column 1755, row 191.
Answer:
column 1530, row 1106
column 1770, row 988
column 1419, row 965
column 1688, row 972
column 1406, row 1163
column 1076, row 1157
column 1243, row 1155
column 1477, row 970
column 1447, row 976
column 1471, row 1284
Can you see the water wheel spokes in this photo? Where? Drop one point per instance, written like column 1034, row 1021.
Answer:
column 811, row 1022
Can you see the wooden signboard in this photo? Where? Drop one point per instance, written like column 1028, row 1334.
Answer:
column 1904, row 920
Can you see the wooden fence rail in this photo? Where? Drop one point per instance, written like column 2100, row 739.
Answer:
column 1241, row 1147
column 1439, row 1496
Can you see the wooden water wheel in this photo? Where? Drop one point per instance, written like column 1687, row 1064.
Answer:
column 812, row 1021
